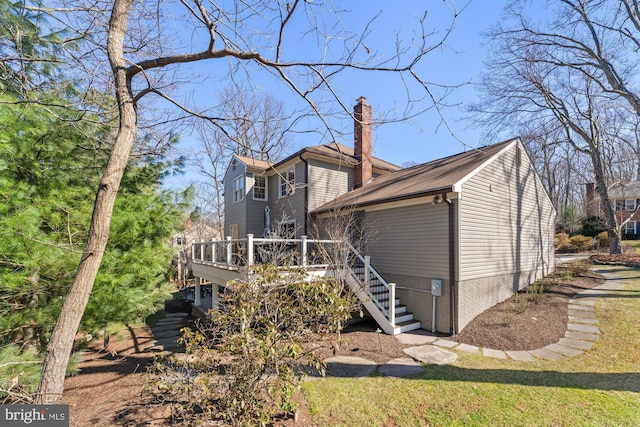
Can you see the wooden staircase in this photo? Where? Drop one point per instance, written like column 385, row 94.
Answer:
column 375, row 294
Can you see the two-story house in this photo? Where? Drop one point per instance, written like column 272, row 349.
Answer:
column 276, row 199
column 625, row 197
column 451, row 237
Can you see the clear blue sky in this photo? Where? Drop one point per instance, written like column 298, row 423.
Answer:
column 424, row 138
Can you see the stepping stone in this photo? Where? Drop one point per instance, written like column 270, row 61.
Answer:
column 468, row 348
column 581, row 313
column 400, row 367
column 173, row 315
column 169, row 321
column 584, row 336
column 417, row 337
column 431, row 354
column 581, row 308
column 564, row 350
column 521, row 356
column 583, row 301
column 349, row 367
column 546, row 354
column 496, row 354
column 583, row 328
column 155, row 349
column 445, row 343
column 590, row 321
column 163, row 328
column 167, row 334
column 582, row 345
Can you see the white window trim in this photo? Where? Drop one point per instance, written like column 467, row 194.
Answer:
column 284, row 178
column 239, row 192
column 629, row 204
column 629, row 226
column 266, row 188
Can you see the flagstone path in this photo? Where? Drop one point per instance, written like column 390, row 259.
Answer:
column 581, row 335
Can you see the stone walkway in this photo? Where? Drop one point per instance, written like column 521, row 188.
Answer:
column 166, row 332
column 582, row 333
column 582, row 329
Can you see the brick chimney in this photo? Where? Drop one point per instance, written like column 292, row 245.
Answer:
column 362, row 142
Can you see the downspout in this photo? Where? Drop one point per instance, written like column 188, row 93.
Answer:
column 452, row 276
column 306, row 193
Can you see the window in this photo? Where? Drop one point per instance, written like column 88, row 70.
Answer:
column 287, row 182
column 287, row 230
column 238, row 189
column 259, row 187
column 630, row 204
column 629, row 228
column 619, row 205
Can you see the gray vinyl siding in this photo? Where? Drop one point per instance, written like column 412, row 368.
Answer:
column 327, row 181
column 235, row 213
column 254, row 209
column 291, row 207
column 506, row 234
column 507, row 221
column 409, row 246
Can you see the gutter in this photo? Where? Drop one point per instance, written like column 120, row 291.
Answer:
column 426, row 193
column 452, row 276
column 306, row 193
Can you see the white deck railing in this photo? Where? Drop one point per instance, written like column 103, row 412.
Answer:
column 369, row 272
column 234, row 253
column 303, row 252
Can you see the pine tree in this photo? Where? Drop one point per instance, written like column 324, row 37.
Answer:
column 50, row 165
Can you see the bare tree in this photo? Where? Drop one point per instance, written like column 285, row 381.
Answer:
column 256, row 127
column 242, row 36
column 568, row 74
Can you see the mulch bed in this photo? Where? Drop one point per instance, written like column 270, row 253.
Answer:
column 627, row 259
column 505, row 327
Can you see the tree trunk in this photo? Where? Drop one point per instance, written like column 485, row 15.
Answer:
column 62, row 339
column 615, row 244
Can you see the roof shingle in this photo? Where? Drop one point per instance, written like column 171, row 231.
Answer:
column 421, row 180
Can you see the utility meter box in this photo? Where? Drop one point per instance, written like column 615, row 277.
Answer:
column 436, row 287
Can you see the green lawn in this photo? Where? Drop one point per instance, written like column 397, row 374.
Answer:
column 598, row 388
column 633, row 243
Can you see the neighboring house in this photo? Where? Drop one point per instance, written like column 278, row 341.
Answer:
column 456, row 235
column 625, row 197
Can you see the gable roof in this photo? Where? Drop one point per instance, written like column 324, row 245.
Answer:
column 342, row 152
column 333, row 151
column 430, row 178
column 261, row 165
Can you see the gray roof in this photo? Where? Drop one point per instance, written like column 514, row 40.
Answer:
column 426, row 179
column 333, row 151
column 342, row 152
column 628, row 190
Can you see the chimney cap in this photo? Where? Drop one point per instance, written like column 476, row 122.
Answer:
column 361, row 100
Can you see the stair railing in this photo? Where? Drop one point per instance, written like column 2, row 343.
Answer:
column 369, row 271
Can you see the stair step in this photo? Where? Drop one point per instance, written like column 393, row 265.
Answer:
column 385, row 302
column 410, row 325
column 405, row 317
